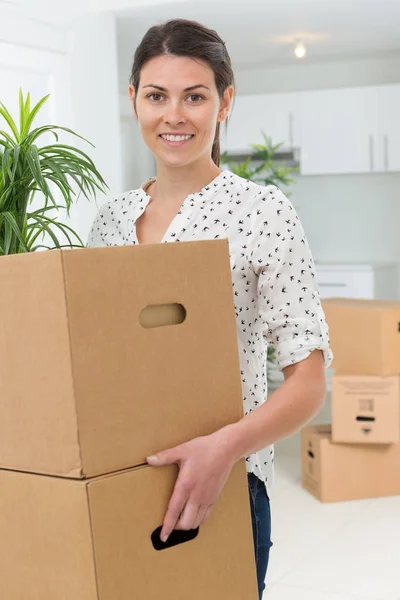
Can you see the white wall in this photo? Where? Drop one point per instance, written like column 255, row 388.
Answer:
column 350, row 218
column 95, row 110
column 138, row 161
column 306, row 75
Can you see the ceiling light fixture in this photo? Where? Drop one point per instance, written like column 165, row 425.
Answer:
column 300, row 50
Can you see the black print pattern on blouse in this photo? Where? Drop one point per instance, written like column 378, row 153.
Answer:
column 273, row 274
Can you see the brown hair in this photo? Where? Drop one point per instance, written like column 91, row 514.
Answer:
column 181, row 37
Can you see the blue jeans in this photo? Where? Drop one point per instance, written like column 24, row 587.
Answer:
column 261, row 521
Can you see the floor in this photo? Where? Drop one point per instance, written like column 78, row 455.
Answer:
column 340, row 551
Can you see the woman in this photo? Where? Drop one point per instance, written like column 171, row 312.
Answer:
column 181, row 88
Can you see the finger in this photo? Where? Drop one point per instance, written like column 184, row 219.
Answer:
column 166, row 457
column 207, row 514
column 175, row 507
column 200, row 516
column 188, row 517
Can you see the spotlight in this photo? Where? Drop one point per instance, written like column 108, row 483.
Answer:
column 300, row 50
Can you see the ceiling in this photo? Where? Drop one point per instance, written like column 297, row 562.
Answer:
column 264, row 32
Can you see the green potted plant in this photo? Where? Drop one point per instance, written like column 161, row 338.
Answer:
column 59, row 172
column 261, row 167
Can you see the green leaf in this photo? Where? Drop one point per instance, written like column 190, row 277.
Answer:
column 31, row 115
column 8, row 220
column 6, row 115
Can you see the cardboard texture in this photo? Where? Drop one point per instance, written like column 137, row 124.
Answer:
column 365, row 409
column 364, row 335
column 90, row 382
column 338, row 472
column 65, row 539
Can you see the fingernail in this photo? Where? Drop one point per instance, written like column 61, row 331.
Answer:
column 164, row 538
column 153, row 459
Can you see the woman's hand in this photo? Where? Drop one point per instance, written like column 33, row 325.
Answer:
column 204, row 466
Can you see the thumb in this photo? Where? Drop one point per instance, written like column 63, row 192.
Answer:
column 166, row 457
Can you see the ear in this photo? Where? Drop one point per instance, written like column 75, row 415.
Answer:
column 226, row 103
column 132, row 96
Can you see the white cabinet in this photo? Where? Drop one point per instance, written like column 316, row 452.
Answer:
column 339, row 130
column 389, row 128
column 353, row 130
column 368, row 281
column 275, row 114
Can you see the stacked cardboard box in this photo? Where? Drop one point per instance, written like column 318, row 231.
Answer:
column 107, row 356
column 358, row 455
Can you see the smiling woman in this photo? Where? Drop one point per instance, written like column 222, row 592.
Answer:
column 173, row 114
column 181, row 88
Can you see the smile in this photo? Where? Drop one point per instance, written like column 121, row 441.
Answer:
column 176, row 140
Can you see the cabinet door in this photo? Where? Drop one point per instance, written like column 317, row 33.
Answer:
column 345, row 284
column 389, row 127
column 275, row 114
column 339, row 130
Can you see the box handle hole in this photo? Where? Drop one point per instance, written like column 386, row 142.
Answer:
column 160, row 315
column 310, row 454
column 177, row 537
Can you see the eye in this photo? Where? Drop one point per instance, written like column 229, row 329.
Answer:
column 196, row 96
column 154, row 96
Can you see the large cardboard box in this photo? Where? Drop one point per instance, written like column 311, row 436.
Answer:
column 98, row 539
column 365, row 409
column 88, row 383
column 365, row 335
column 337, row 472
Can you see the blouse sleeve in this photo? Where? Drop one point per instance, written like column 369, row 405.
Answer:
column 98, row 230
column 288, row 297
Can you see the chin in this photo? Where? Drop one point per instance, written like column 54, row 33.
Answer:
column 175, row 161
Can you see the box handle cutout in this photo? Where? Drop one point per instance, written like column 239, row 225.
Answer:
column 310, row 454
column 178, row 536
column 159, row 315
column 368, row 419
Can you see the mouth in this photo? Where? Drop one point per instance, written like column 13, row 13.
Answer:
column 176, row 140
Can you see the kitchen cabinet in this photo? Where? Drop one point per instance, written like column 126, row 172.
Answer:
column 369, row 281
column 334, row 131
column 339, row 131
column 389, row 128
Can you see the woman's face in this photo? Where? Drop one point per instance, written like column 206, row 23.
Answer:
column 177, row 96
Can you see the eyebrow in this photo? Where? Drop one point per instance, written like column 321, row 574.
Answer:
column 188, row 89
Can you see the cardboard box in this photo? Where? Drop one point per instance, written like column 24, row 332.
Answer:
column 364, row 335
column 97, row 539
column 339, row 472
column 87, row 384
column 365, row 409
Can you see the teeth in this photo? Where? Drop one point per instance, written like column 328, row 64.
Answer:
column 176, row 138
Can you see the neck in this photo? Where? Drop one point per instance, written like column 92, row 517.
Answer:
column 174, row 184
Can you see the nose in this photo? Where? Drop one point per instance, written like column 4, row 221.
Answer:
column 174, row 115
